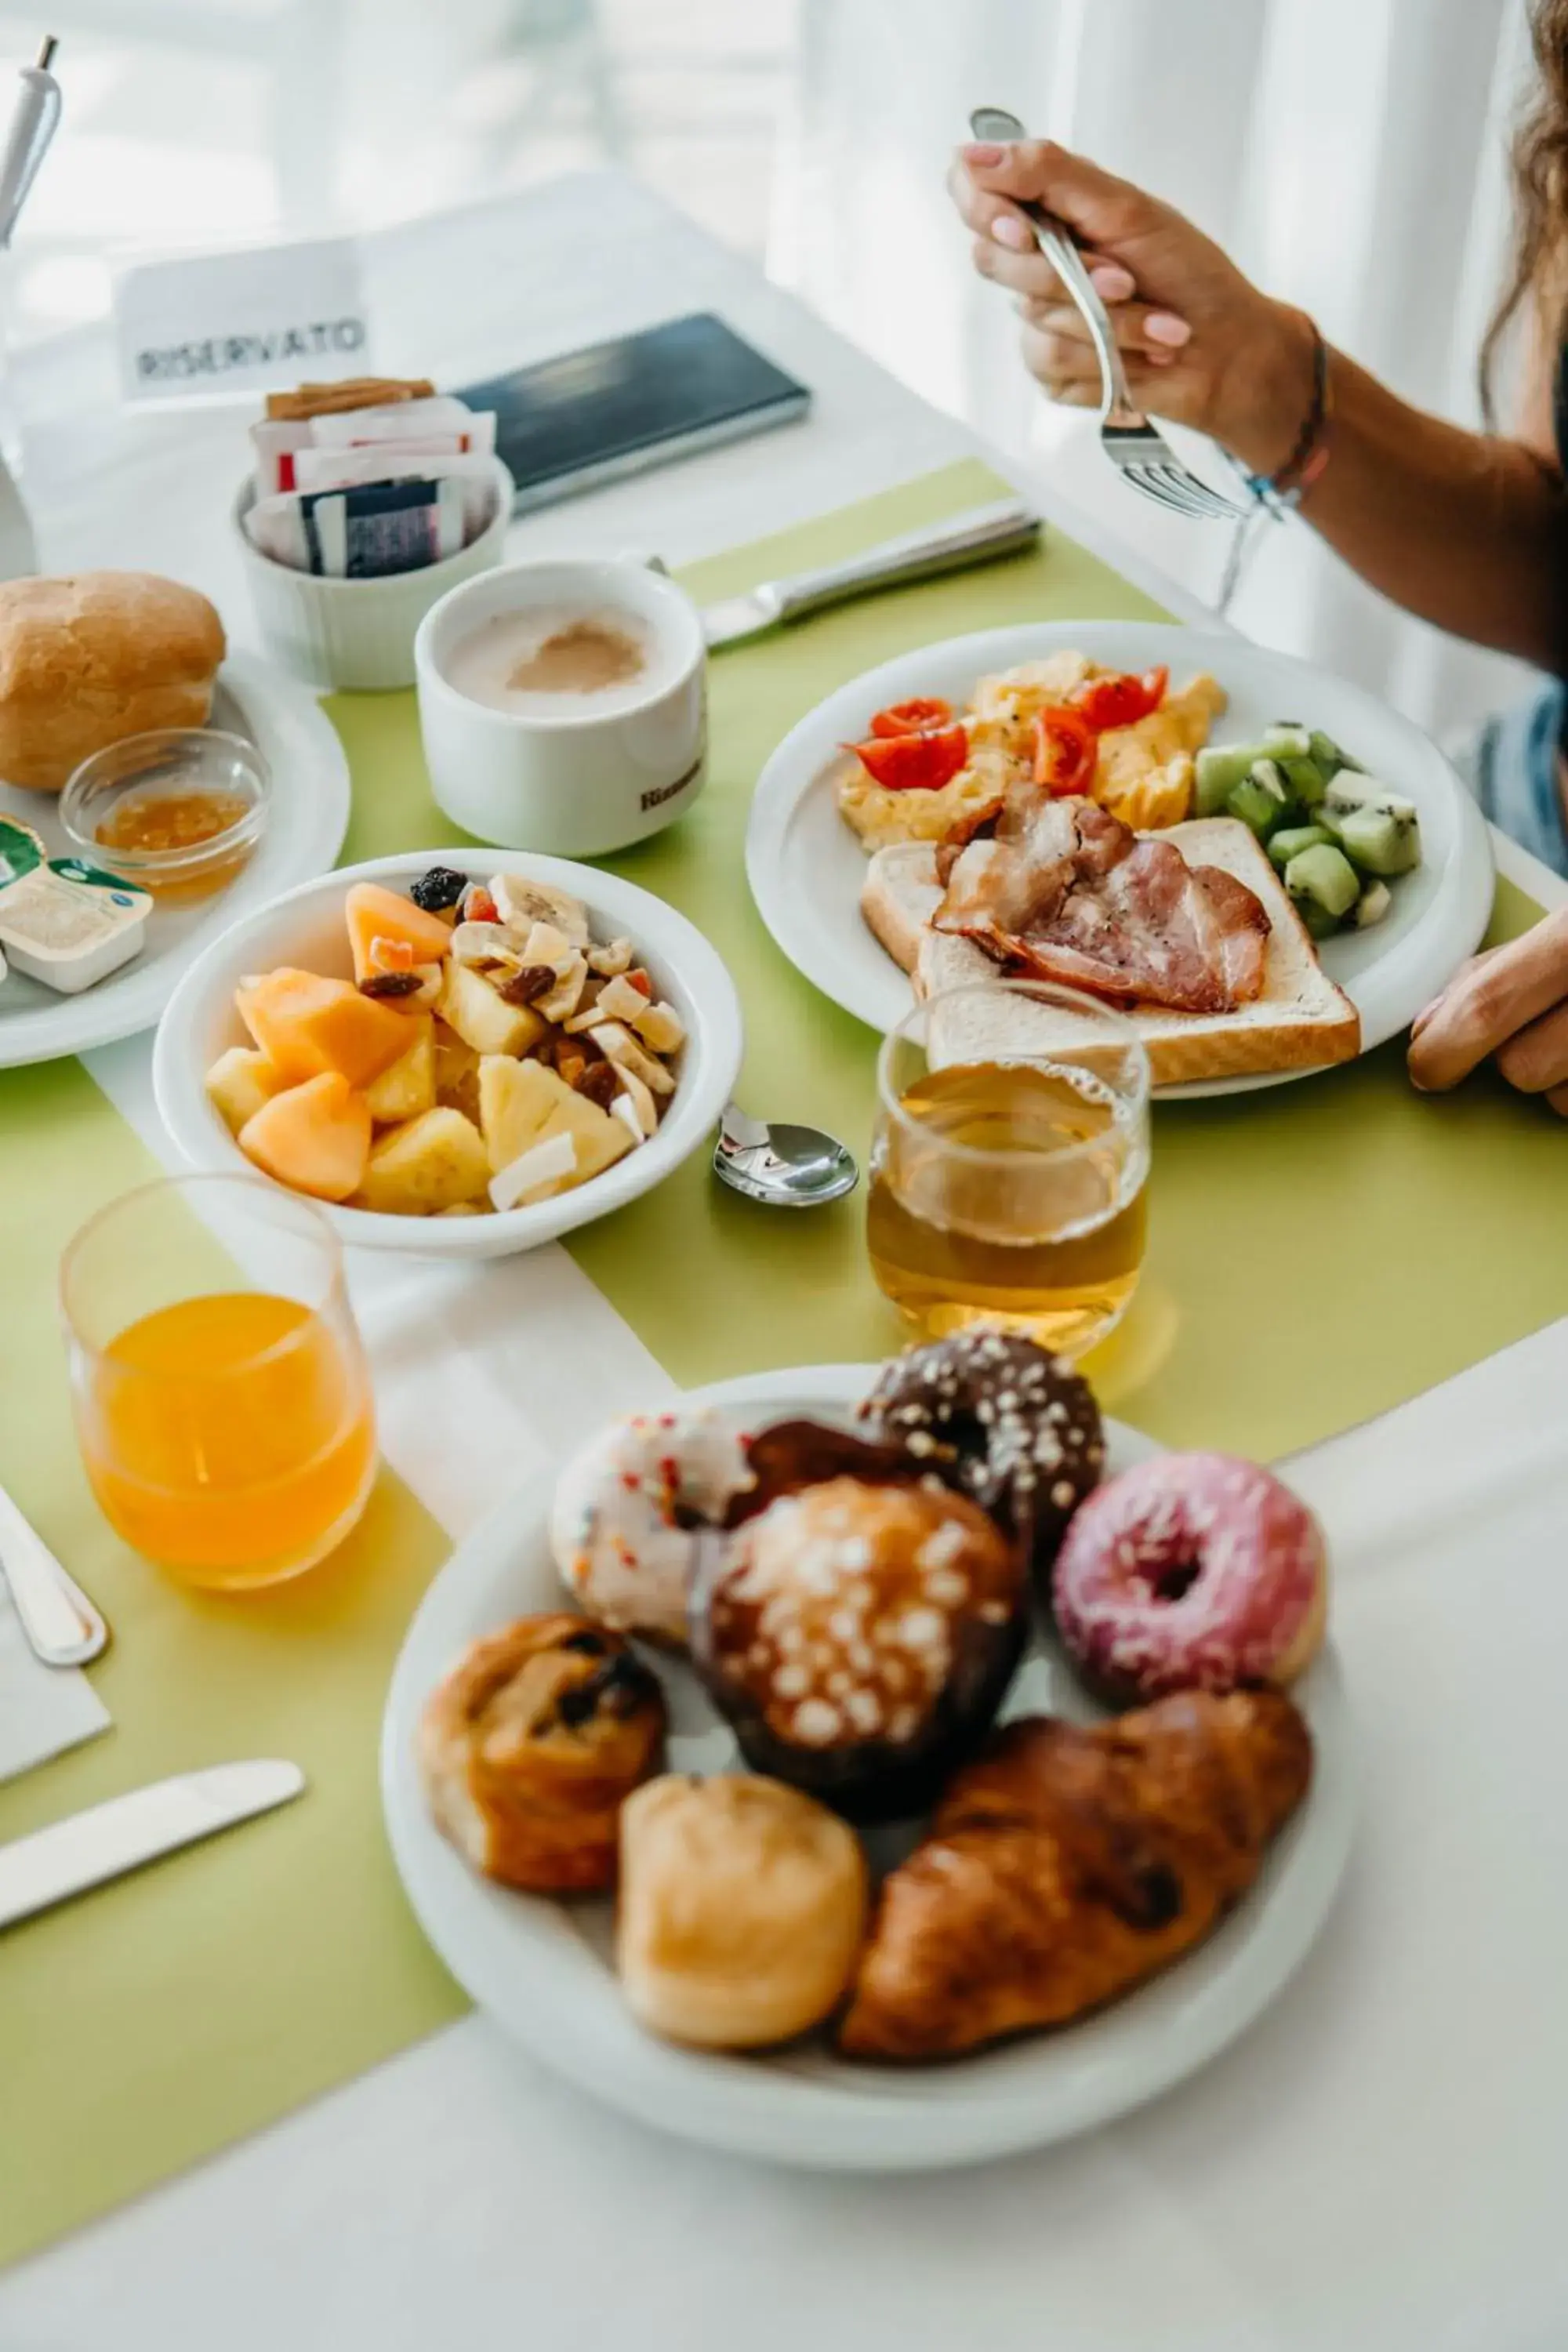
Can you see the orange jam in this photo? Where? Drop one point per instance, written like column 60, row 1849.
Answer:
column 151, row 822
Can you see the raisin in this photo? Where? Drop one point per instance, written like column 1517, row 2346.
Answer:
column 624, row 1682
column 534, row 980
column 440, row 888
column 391, row 983
column 599, row 1082
column 591, row 1644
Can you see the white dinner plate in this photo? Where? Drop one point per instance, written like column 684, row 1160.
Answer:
column 805, row 866
column 543, row 1969
column 305, row 829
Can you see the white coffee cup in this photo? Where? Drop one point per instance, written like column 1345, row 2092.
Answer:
column 571, row 774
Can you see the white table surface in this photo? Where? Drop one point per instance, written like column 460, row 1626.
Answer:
column 1381, row 2163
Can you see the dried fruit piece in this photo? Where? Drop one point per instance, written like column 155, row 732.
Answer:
column 534, row 980
column 391, row 983
column 442, row 887
column 598, row 1080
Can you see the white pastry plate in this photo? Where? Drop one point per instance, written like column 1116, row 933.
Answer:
column 305, row 829
column 543, row 1969
column 805, row 866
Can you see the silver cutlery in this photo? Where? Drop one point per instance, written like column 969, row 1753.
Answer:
column 1135, row 447
column 89, row 1848
column 61, row 1624
column 782, row 1166
column 975, row 537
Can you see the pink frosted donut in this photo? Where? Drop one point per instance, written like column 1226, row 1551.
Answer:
column 1193, row 1571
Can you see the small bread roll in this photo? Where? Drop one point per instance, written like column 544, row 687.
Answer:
column 85, row 661
column 528, row 1746
column 743, row 1910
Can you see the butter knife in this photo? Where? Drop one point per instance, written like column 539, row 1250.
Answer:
column 108, row 1840
column 61, row 1624
column 975, row 537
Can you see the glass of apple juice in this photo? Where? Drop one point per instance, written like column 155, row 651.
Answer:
column 1010, row 1165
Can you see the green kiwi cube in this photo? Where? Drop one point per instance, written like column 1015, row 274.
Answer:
column 1256, row 805
column 1292, row 839
column 1325, row 877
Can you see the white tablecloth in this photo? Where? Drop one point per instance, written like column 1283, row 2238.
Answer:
column 1381, row 2163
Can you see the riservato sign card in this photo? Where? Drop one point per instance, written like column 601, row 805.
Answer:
column 225, row 326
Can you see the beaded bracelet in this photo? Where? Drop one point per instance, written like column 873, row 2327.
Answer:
column 1287, row 489
column 1279, row 494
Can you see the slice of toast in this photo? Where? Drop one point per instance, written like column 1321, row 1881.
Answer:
column 1300, row 1022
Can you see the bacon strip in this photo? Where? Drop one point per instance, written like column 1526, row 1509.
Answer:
column 1065, row 891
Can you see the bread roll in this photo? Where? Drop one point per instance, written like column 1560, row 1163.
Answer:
column 742, row 1907
column 85, row 661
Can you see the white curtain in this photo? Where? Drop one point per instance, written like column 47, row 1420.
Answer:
column 1351, row 153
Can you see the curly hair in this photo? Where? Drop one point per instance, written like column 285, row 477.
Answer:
column 1539, row 263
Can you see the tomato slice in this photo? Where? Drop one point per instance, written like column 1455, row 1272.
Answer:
column 912, row 717
column 1107, row 702
column 920, row 762
column 1064, row 751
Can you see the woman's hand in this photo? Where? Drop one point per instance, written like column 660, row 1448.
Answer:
column 1512, row 1002
column 1201, row 344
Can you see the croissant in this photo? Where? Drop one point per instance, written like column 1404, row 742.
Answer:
column 1066, row 1866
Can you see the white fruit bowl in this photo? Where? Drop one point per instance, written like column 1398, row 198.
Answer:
column 306, row 928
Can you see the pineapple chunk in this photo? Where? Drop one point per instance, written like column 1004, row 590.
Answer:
column 456, row 1072
column 481, row 1018
column 461, row 1209
column 240, row 1082
column 515, row 1100
column 618, row 1044
column 428, row 1164
column 659, row 1026
column 600, row 1139
column 409, row 1087
column 523, row 1103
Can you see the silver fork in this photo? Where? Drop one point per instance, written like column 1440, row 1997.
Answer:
column 1135, row 447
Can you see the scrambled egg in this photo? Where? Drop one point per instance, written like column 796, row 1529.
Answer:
column 1144, row 773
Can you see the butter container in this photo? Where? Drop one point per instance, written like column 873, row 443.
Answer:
column 63, row 922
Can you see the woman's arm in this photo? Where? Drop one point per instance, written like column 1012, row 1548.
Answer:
column 1469, row 530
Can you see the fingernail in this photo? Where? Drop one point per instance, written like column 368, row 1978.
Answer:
column 983, row 155
column 1163, row 329
column 1008, row 229
column 1112, row 285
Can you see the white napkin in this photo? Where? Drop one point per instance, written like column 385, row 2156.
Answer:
column 43, row 1709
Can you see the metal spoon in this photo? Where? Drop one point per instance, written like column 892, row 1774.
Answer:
column 61, row 1624
column 782, row 1167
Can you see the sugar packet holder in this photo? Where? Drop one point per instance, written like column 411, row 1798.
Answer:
column 368, row 515
column 357, row 633
column 441, row 426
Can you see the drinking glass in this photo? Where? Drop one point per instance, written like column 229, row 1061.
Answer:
column 1009, row 1168
column 221, row 1399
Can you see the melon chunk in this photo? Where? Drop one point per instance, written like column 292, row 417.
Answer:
column 373, row 913
column 408, row 1087
column 239, row 1083
column 315, row 1137
column 482, row 1019
column 306, row 1026
column 429, row 1164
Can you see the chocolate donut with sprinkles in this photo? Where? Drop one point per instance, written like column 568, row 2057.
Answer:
column 859, row 1639
column 1004, row 1422
column 1193, row 1571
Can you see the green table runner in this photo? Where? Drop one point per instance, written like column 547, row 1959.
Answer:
column 1318, row 1254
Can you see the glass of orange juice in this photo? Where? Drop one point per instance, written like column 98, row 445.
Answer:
column 221, row 1394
